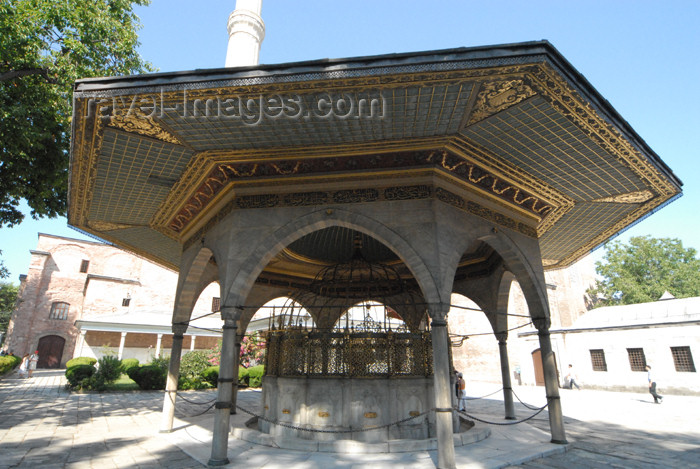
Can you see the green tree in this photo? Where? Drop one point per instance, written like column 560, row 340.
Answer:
column 8, row 297
column 4, row 273
column 45, row 45
column 642, row 270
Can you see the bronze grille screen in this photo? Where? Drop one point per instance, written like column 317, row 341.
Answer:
column 356, row 355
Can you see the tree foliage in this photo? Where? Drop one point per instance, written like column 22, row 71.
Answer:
column 642, row 270
column 45, row 45
column 8, row 297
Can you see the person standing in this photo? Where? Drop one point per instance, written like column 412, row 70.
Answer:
column 571, row 377
column 658, row 399
column 461, row 393
column 23, row 366
column 33, row 360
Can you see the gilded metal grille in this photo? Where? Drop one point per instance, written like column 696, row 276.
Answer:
column 637, row 359
column 352, row 355
column 598, row 360
column 683, row 359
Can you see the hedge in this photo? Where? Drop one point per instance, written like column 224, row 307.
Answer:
column 148, row 377
column 129, row 363
column 211, row 375
column 8, row 362
column 77, row 373
column 80, row 361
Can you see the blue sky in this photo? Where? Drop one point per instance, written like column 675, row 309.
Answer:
column 642, row 56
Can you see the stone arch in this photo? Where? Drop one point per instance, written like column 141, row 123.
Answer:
column 500, row 323
column 270, row 245
column 530, row 276
column 193, row 280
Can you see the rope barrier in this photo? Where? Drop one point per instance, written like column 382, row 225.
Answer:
column 482, row 397
column 195, row 402
column 531, row 407
column 504, row 423
column 196, row 415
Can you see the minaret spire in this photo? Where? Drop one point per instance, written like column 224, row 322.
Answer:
column 246, row 32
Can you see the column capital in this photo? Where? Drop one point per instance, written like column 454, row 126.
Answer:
column 179, row 329
column 438, row 312
column 231, row 313
column 542, row 324
column 502, row 337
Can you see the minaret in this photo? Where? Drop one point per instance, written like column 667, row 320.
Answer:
column 246, row 32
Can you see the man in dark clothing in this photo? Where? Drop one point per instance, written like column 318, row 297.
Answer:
column 652, row 387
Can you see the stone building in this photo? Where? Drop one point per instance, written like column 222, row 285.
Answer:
column 610, row 346
column 85, row 298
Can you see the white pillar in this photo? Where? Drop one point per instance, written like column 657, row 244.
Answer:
column 222, row 418
column 158, row 343
column 443, row 391
column 173, row 375
column 192, row 342
column 82, row 343
column 246, row 32
column 122, row 341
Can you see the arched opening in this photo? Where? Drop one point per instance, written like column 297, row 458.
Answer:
column 50, row 351
column 355, row 320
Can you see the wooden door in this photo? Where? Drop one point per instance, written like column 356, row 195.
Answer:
column 539, row 371
column 50, row 351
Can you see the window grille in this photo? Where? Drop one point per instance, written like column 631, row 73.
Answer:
column 126, row 301
column 84, row 266
column 638, row 361
column 59, row 310
column 683, row 359
column 598, row 360
column 215, row 305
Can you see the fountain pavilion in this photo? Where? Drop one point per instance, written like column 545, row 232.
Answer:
column 451, row 171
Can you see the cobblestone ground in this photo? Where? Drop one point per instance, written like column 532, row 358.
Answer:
column 622, row 430
column 43, row 425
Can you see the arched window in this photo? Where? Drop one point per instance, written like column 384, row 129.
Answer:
column 59, row 310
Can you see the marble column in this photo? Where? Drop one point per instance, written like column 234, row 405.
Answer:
column 171, row 383
column 222, row 417
column 236, row 361
column 443, row 391
column 159, row 341
column 82, row 343
column 122, row 341
column 551, row 382
column 505, row 375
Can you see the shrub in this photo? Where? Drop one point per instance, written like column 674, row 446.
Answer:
column 109, row 369
column 80, row 361
column 194, row 363
column 148, row 377
column 8, row 362
column 161, row 362
column 243, row 376
column 255, row 374
column 129, row 363
column 211, row 375
column 78, row 373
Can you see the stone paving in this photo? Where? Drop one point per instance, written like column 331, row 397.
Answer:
column 43, row 425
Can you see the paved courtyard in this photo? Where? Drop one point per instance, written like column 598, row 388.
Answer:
column 42, row 425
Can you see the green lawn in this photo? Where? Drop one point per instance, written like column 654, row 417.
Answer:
column 124, row 383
